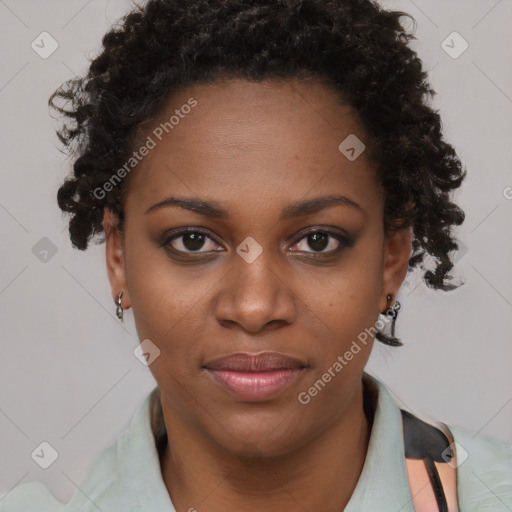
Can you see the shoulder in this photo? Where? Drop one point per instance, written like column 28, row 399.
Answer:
column 99, row 482
column 484, row 470
column 25, row 496
column 123, row 477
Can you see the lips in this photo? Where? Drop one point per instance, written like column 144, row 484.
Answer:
column 255, row 377
column 262, row 362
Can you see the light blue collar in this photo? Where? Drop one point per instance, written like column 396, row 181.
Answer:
column 383, row 484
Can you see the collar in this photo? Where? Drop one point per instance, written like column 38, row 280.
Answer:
column 139, row 464
column 383, row 483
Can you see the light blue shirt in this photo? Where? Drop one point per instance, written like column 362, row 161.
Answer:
column 127, row 477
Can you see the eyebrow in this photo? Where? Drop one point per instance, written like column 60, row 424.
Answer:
column 297, row 209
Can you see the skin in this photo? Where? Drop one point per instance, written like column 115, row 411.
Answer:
column 421, row 490
column 255, row 148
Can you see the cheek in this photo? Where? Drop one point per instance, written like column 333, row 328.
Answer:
column 346, row 331
column 349, row 296
column 166, row 305
column 345, row 311
column 345, row 339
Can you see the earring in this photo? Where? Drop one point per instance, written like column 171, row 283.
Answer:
column 392, row 311
column 119, row 309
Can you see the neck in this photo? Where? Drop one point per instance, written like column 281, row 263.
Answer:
column 320, row 475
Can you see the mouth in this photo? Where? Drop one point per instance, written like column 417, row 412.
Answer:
column 255, row 377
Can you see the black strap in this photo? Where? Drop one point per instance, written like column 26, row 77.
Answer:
column 437, row 486
column 424, row 441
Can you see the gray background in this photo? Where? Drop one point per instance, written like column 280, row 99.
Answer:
column 68, row 373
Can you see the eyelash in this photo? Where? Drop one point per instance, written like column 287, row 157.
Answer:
column 345, row 242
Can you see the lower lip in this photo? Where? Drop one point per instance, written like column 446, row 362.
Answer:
column 255, row 386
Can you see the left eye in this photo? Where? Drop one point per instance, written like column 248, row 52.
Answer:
column 320, row 240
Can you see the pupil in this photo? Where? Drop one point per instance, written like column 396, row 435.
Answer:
column 193, row 241
column 318, row 241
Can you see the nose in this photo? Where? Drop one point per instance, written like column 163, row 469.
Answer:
column 256, row 296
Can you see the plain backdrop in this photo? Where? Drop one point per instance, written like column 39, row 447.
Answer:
column 67, row 369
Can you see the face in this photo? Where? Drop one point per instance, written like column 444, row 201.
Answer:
column 252, row 260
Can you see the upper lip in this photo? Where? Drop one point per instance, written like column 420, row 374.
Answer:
column 247, row 362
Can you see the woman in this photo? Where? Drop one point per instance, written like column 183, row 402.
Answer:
column 265, row 174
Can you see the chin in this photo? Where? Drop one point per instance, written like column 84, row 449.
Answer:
column 259, row 439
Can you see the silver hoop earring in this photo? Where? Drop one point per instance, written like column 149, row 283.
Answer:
column 119, row 309
column 392, row 311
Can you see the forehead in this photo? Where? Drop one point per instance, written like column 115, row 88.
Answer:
column 241, row 112
column 245, row 139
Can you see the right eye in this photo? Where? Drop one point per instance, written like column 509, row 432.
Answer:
column 189, row 241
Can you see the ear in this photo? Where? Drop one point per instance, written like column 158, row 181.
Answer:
column 114, row 252
column 397, row 252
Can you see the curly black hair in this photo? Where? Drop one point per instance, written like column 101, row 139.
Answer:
column 355, row 47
